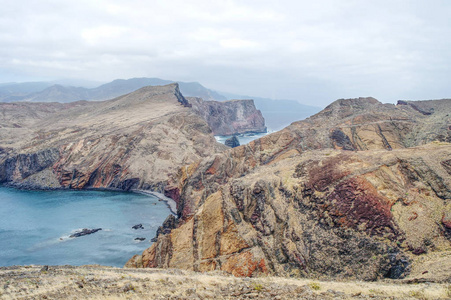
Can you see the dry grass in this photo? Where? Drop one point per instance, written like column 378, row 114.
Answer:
column 96, row 282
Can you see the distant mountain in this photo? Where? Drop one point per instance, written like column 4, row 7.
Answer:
column 13, row 90
column 279, row 113
column 124, row 86
column 45, row 92
column 59, row 93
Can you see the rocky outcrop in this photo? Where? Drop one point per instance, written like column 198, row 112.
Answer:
column 230, row 117
column 137, row 140
column 338, row 195
column 85, row 231
column 232, row 142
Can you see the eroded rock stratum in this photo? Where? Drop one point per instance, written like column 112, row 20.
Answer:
column 360, row 190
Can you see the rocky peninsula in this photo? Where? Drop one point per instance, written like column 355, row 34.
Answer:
column 359, row 191
column 136, row 141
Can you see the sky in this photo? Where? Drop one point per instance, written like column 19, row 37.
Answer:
column 311, row 51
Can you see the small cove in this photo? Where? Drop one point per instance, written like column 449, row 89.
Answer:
column 35, row 226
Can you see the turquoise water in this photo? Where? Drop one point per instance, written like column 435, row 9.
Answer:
column 35, row 226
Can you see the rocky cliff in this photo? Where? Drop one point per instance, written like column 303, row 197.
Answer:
column 360, row 190
column 230, row 117
column 134, row 141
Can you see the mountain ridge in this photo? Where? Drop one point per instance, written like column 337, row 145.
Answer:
column 278, row 113
column 115, row 88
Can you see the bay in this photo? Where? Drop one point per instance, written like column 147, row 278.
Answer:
column 35, row 226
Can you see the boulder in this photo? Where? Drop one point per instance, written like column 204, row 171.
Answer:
column 232, row 142
column 138, row 226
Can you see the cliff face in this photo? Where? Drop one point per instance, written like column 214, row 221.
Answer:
column 296, row 202
column 134, row 141
column 230, row 117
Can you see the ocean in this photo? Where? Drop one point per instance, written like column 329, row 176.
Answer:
column 35, row 226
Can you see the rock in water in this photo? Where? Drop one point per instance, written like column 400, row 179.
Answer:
column 232, row 142
column 138, row 226
column 140, row 239
column 85, row 231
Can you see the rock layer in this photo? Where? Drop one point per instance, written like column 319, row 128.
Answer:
column 298, row 202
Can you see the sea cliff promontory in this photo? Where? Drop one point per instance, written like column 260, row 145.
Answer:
column 135, row 141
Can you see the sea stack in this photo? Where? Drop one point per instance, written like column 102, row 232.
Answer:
column 232, row 142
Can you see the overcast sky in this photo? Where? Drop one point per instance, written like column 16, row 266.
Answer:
column 311, row 51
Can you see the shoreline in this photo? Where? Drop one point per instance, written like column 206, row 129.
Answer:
column 170, row 202
column 172, row 205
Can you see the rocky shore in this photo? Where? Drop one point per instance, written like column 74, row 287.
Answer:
column 99, row 282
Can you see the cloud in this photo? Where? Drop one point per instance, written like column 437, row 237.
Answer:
column 316, row 51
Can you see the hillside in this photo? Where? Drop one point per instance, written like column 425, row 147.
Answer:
column 359, row 190
column 134, row 141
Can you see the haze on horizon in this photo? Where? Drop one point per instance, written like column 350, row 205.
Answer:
column 310, row 51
